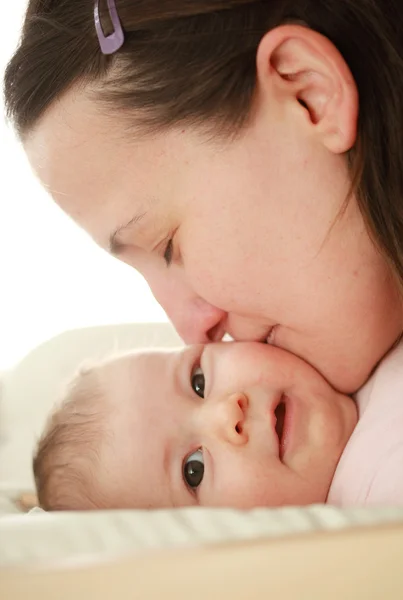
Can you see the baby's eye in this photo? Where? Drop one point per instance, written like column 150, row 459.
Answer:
column 193, row 469
column 198, row 382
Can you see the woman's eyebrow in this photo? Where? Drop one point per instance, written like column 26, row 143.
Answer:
column 114, row 245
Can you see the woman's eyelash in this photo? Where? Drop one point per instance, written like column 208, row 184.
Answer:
column 168, row 253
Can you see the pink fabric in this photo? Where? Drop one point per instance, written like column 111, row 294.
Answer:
column 370, row 471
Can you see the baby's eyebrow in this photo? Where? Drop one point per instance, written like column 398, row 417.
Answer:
column 167, row 470
column 114, row 245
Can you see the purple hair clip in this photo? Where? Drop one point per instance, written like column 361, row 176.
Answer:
column 113, row 42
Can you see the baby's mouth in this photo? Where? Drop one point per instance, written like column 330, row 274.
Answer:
column 279, row 413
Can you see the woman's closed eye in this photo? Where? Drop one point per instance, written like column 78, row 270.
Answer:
column 193, row 469
column 168, row 253
column 198, row 382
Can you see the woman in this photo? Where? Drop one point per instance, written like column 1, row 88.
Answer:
column 244, row 156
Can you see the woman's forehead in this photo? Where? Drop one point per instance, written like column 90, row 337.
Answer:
column 98, row 178
column 72, row 157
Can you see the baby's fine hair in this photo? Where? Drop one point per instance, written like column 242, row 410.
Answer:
column 193, row 62
column 67, row 463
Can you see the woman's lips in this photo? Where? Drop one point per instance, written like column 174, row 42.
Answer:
column 271, row 336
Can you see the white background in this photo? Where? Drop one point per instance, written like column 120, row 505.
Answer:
column 52, row 277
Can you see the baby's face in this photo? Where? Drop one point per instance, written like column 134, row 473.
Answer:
column 230, row 424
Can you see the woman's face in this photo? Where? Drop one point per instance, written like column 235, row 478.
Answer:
column 251, row 230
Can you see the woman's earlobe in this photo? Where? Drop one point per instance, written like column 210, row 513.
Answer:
column 305, row 66
column 333, row 111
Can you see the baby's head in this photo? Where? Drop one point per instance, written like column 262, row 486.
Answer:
column 230, row 424
column 68, row 465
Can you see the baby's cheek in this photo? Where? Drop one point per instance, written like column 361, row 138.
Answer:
column 250, row 487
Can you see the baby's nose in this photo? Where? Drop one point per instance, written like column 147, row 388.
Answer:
column 226, row 418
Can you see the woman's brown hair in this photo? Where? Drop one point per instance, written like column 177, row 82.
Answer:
column 194, row 62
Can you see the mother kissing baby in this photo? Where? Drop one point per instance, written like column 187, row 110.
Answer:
column 257, row 185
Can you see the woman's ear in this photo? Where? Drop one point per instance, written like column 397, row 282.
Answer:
column 298, row 64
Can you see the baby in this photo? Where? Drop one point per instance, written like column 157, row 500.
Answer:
column 228, row 424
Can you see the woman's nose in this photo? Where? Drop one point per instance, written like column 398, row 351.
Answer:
column 225, row 418
column 197, row 321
